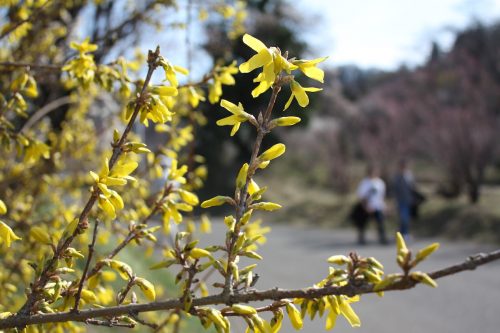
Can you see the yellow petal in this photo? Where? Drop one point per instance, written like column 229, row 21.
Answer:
column 147, row 288
column 426, row 251
column 181, row 70
column 400, row 243
column 242, row 176
column 260, row 59
column 338, row 259
column 205, row 226
column 6, row 234
column 235, row 129
column 289, row 102
column 198, row 253
column 294, row 316
column 273, row 152
column 331, row 320
column 349, row 314
column 3, row 208
column 243, row 309
column 188, row 197
column 107, row 207
column 286, row 121
column 215, row 201
column 254, row 43
column 300, row 94
column 314, row 73
column 253, row 187
column 269, row 206
column 113, row 181
column 231, row 107
column 124, row 168
column 231, row 120
column 40, row 235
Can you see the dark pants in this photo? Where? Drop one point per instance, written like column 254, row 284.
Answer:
column 379, row 219
column 404, row 218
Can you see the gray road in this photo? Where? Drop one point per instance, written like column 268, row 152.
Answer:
column 295, row 257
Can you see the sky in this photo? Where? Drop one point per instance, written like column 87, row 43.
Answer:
column 385, row 34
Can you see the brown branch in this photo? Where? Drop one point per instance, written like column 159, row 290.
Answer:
column 242, row 203
column 46, row 109
column 87, row 264
column 41, row 281
column 362, row 287
column 48, row 67
column 108, row 323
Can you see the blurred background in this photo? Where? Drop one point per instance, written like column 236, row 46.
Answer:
column 404, row 79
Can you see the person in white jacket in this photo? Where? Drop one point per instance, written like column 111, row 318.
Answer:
column 371, row 192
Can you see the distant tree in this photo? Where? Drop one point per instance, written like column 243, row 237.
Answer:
column 446, row 110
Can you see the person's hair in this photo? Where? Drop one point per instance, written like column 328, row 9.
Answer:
column 403, row 163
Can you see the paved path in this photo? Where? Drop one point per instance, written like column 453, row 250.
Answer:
column 295, row 257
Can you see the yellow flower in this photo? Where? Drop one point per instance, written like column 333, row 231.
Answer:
column 285, row 121
column 425, row 252
column 269, row 206
column 216, row 201
column 147, row 288
column 339, row 260
column 205, row 226
column 262, row 58
column 171, row 70
column 294, row 315
column 84, row 47
column 7, row 235
column 239, row 116
column 194, row 97
column 177, row 174
column 270, row 59
column 274, row 152
column 3, row 208
column 198, row 253
column 347, row 311
column 299, row 93
column 308, row 67
column 242, row 176
column 82, row 67
column 35, row 151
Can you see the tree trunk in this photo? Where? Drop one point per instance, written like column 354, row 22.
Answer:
column 474, row 192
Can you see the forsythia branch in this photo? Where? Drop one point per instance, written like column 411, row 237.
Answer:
column 44, row 277
column 351, row 289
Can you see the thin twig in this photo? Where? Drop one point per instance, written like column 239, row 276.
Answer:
column 46, row 109
column 48, row 67
column 133, row 233
column 21, row 320
column 141, row 321
column 166, row 321
column 87, row 264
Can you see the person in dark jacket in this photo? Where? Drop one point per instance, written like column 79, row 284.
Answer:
column 404, row 188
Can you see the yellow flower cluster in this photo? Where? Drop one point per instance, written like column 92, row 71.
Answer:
column 6, row 233
column 273, row 63
column 109, row 200
column 82, row 67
